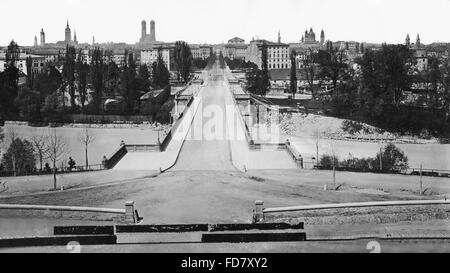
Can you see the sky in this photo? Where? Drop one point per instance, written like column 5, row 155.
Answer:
column 217, row 21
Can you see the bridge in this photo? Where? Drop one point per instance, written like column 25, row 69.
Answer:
column 210, row 133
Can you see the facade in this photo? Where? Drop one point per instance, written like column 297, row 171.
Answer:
column 50, row 55
column 150, row 56
column 201, row 51
column 277, row 54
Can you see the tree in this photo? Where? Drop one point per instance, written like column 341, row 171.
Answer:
column 86, row 137
column 445, row 82
column 293, row 75
column 160, row 74
column 112, row 78
column 143, row 78
column 97, row 68
column 265, row 79
column 11, row 138
column 432, row 76
column 29, row 104
column 309, row 66
column 183, row 60
column 9, row 79
column 52, row 107
column 29, row 63
column 386, row 74
column 392, row 158
column 333, row 67
column 69, row 75
column 56, row 150
column 19, row 157
column 40, row 147
column 128, row 85
column 82, row 71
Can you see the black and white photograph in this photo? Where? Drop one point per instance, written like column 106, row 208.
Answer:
column 224, row 126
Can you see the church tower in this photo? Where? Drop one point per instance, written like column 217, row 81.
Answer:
column 35, row 41
column 418, row 41
column 42, row 37
column 68, row 38
column 407, row 40
column 75, row 37
column 152, row 31
column 143, row 30
column 322, row 37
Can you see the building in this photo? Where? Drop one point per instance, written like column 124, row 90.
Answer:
column 145, row 37
column 51, row 55
column 67, row 38
column 277, row 54
column 42, row 37
column 37, row 65
column 201, row 51
column 421, row 57
column 149, row 56
column 236, row 40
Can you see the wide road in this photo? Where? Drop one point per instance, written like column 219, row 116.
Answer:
column 207, row 146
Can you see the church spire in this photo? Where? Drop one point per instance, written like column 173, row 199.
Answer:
column 75, row 37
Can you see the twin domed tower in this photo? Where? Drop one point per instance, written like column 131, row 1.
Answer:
column 147, row 38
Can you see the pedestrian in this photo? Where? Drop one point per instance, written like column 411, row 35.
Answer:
column 122, row 143
column 47, row 168
column 104, row 161
column 71, row 163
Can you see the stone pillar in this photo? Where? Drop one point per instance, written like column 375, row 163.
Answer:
column 258, row 214
column 129, row 212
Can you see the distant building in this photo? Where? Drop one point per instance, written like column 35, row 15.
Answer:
column 201, row 51
column 236, row 40
column 145, row 37
column 37, row 65
column 150, row 56
column 235, row 51
column 421, row 57
column 50, row 55
column 277, row 54
column 67, row 38
column 42, row 37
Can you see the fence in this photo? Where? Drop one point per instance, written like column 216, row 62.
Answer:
column 89, row 168
column 129, row 213
column 407, row 171
column 260, row 211
column 169, row 136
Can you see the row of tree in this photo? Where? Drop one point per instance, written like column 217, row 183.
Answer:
column 373, row 90
column 44, row 94
column 27, row 156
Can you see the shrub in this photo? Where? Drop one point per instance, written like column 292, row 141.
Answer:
column 351, row 126
column 359, row 164
column 392, row 158
column 326, row 161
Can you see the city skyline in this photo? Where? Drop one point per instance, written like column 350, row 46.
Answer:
column 341, row 20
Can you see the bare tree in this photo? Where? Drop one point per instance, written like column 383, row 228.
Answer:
column 310, row 69
column 86, row 137
column 56, row 150
column 40, row 146
column 10, row 137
